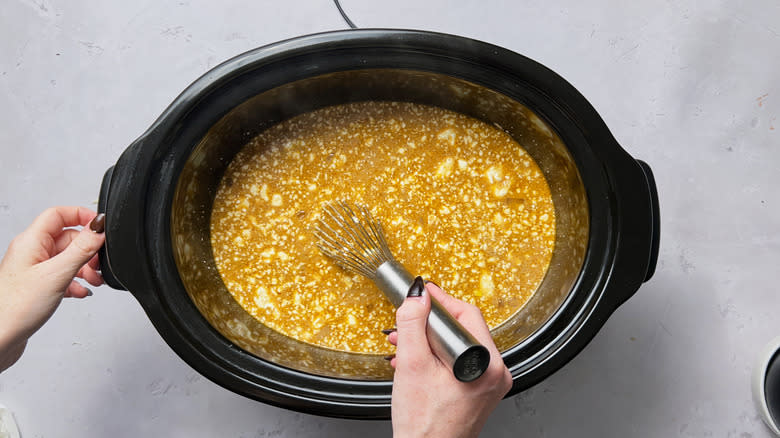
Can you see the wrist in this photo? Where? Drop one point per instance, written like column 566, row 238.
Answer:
column 10, row 355
column 448, row 429
column 12, row 341
column 11, row 348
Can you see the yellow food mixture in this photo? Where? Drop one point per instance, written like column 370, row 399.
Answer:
column 461, row 203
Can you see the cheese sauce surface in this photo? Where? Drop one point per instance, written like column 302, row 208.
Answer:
column 461, row 203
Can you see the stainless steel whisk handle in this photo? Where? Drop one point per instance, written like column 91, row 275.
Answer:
column 449, row 340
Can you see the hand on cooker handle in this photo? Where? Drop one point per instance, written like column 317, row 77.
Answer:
column 38, row 270
column 427, row 400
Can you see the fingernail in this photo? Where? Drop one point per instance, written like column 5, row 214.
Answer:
column 98, row 224
column 389, row 358
column 388, row 331
column 416, row 289
column 89, row 292
column 429, row 281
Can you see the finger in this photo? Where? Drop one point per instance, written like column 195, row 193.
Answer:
column 76, row 290
column 63, row 240
column 90, row 275
column 80, row 250
column 393, row 338
column 38, row 242
column 468, row 315
column 94, row 263
column 453, row 305
column 53, row 220
column 411, row 323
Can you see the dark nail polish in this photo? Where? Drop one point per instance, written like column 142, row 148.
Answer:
column 389, row 358
column 429, row 281
column 89, row 292
column 98, row 224
column 416, row 289
column 388, row 331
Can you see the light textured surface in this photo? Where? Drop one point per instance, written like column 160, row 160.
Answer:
column 691, row 87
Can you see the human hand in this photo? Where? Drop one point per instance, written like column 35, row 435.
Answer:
column 38, row 270
column 427, row 400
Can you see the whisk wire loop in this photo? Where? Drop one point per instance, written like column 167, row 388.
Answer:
column 356, row 230
column 332, row 248
column 378, row 232
column 352, row 238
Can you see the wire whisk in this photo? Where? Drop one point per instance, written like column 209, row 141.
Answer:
column 351, row 236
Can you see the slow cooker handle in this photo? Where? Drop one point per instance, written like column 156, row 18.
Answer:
column 656, row 219
column 123, row 259
column 636, row 252
column 105, row 265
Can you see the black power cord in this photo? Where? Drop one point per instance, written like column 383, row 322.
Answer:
column 344, row 15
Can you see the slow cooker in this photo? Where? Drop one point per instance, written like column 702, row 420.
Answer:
column 157, row 200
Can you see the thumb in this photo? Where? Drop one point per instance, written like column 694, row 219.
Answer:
column 81, row 249
column 411, row 323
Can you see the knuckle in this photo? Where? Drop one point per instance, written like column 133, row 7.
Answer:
column 83, row 247
column 500, row 376
column 507, row 381
column 471, row 308
column 16, row 242
column 49, row 213
column 407, row 313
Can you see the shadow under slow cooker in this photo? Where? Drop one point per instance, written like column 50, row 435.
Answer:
column 200, row 177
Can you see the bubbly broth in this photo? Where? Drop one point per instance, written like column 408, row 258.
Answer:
column 461, row 203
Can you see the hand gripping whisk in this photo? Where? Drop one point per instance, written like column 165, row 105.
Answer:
column 353, row 239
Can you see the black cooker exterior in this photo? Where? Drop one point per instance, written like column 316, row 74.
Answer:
column 137, row 193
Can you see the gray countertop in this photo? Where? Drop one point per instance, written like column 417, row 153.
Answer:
column 690, row 87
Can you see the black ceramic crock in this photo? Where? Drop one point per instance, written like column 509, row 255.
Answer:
column 137, row 195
